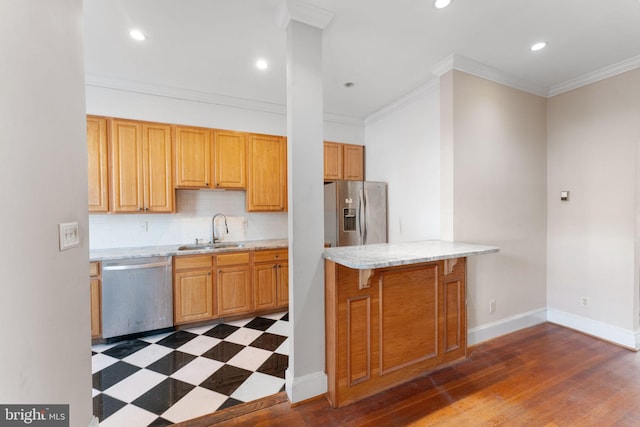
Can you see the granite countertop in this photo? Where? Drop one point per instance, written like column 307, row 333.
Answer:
column 171, row 250
column 393, row 254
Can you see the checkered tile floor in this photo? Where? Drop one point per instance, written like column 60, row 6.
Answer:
column 169, row 378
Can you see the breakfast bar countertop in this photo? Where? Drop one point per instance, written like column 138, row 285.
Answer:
column 394, row 254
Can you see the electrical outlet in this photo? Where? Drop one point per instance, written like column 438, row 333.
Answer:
column 144, row 225
column 584, row 302
column 492, row 306
column 69, row 235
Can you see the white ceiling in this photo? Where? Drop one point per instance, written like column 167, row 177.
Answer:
column 388, row 48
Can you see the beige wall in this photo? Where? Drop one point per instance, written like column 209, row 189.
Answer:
column 593, row 136
column 493, row 191
column 44, row 307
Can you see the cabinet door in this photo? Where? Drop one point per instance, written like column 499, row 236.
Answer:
column 267, row 185
column 283, row 285
column 96, row 314
column 158, row 165
column 230, row 154
column 332, row 161
column 233, row 286
column 265, row 279
column 126, row 162
column 193, row 296
column 97, row 167
column 193, row 157
column 353, row 162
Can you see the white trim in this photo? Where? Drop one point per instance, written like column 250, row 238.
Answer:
column 302, row 388
column 623, row 337
column 296, row 10
column 601, row 74
column 402, row 102
column 95, row 422
column 478, row 69
column 505, row 326
column 205, row 97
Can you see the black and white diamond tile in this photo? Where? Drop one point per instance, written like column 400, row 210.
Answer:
column 172, row 377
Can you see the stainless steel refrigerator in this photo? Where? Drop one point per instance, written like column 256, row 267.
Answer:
column 355, row 213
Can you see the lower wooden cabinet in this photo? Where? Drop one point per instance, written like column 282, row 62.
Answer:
column 233, row 283
column 193, row 289
column 95, row 283
column 271, row 279
column 229, row 284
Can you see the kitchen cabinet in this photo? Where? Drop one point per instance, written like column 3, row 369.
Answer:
column 332, row 161
column 97, row 164
column 343, row 161
column 230, row 159
column 193, row 157
column 193, row 288
column 233, row 283
column 141, row 162
column 271, row 279
column 207, row 158
column 353, row 163
column 267, row 174
column 95, row 284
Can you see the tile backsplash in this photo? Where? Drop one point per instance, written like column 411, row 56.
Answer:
column 195, row 208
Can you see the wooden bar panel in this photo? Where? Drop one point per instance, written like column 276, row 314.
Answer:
column 359, row 339
column 453, row 294
column 408, row 317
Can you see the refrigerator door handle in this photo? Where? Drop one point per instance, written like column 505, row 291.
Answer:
column 360, row 216
column 364, row 199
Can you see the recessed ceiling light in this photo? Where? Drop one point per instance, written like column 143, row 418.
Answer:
column 538, row 46
column 262, row 64
column 137, row 35
column 440, row 4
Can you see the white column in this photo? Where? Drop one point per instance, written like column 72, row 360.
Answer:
column 305, row 377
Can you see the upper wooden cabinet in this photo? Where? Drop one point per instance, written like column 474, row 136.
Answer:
column 353, row 163
column 97, row 164
column 267, row 173
column 141, row 163
column 193, row 157
column 332, row 161
column 207, row 158
column 343, row 161
column 230, row 154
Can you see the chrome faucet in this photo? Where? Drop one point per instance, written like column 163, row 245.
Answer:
column 214, row 239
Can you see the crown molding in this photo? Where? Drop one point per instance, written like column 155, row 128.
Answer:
column 296, row 10
column 431, row 86
column 478, row 69
column 205, row 97
column 601, row 74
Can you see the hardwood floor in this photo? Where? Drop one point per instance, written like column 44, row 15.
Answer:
column 546, row 375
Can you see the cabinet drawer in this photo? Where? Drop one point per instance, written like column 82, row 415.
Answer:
column 190, row 262
column 232, row 259
column 94, row 269
column 271, row 255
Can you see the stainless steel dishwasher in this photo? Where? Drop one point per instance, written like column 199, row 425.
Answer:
column 136, row 296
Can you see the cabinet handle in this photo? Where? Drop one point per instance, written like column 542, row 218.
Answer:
column 139, row 209
column 206, row 183
column 146, row 209
column 217, row 184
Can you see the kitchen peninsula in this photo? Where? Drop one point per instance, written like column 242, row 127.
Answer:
column 393, row 312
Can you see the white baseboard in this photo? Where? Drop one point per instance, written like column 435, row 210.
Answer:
column 505, row 326
column 302, row 388
column 620, row 336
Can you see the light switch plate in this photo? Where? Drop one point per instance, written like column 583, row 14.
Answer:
column 69, row 235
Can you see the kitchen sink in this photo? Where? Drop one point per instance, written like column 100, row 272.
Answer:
column 210, row 246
